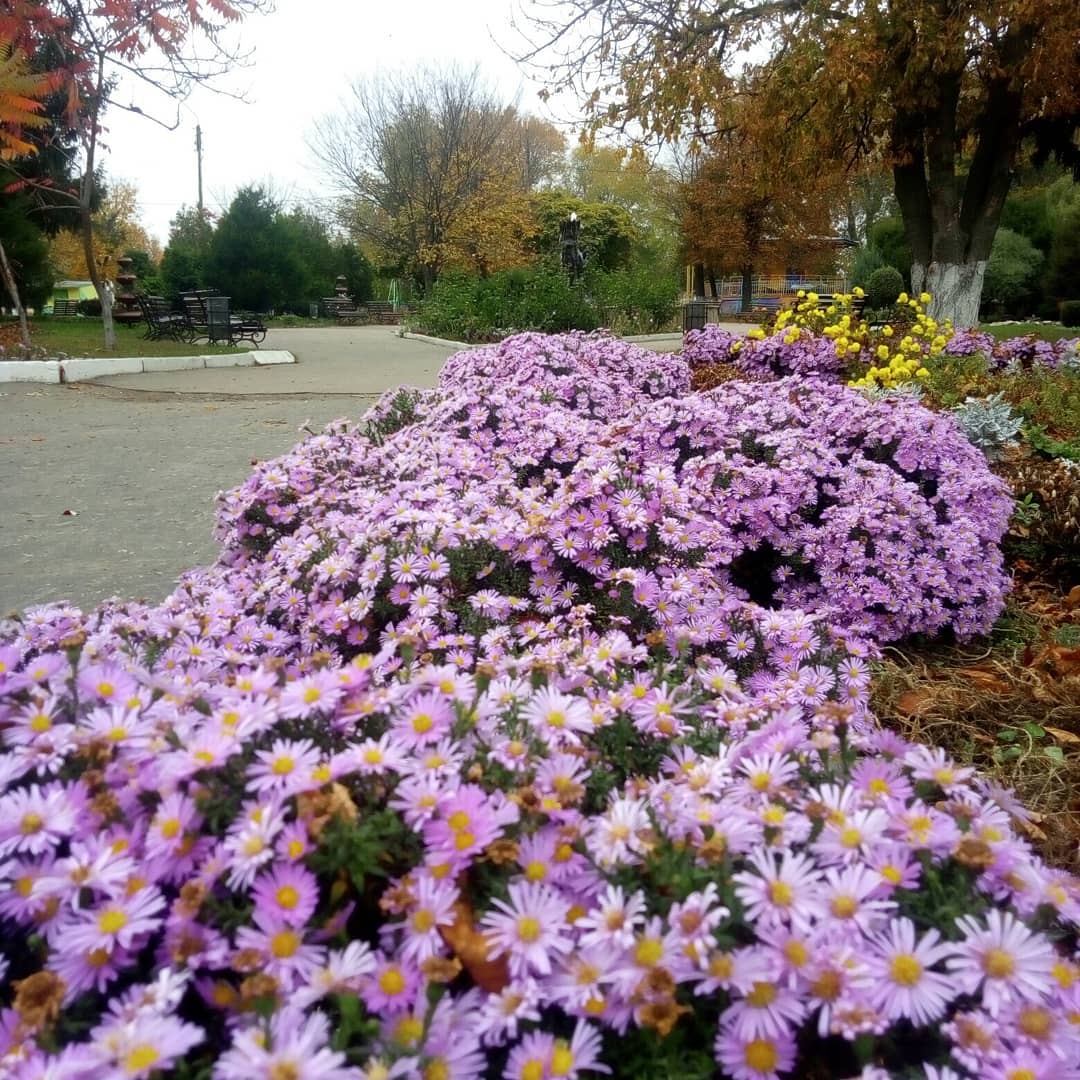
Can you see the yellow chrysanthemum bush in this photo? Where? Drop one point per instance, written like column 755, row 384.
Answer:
column 900, row 350
column 833, row 340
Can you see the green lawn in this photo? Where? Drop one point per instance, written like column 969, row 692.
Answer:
column 1047, row 331
column 81, row 336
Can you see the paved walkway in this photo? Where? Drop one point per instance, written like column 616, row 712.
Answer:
column 139, row 458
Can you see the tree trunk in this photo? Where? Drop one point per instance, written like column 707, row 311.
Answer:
column 747, row 290
column 86, row 222
column 13, row 292
column 955, row 289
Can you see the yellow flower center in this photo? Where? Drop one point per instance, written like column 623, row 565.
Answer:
column 464, row 840
column 562, row 1059
column 40, row 723
column 532, row 1070
column 851, row 837
column 170, row 828
column 998, row 964
column 391, row 981
column 423, row 920
column 409, row 1030
column 827, row 986
column 106, row 689
column 762, row 994
column 139, row 1058
column 287, row 897
column 283, row 766
column 843, row 907
column 1036, row 1023
column 906, row 970
column 721, row 965
column 556, row 718
column 536, row 871
column 648, row 952
column 796, row 953
column 761, row 1056
column 112, row 921
column 311, row 695
column 528, row 929
column 781, row 894
column 459, row 820
column 422, row 723
column 284, row 944
column 31, row 823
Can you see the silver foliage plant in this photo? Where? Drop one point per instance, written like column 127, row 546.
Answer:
column 989, row 423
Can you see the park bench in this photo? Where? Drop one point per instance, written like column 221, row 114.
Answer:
column 346, row 312
column 243, row 326
column 161, row 321
column 65, row 308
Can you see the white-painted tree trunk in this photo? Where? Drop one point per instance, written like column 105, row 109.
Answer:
column 955, row 288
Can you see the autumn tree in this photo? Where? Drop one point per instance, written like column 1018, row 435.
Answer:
column 166, row 47
column 117, row 230
column 753, row 200
column 433, row 170
column 22, row 93
column 948, row 93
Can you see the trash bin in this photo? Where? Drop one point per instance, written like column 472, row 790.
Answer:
column 694, row 315
column 217, row 317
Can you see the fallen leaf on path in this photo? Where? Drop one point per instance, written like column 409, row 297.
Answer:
column 69, row 513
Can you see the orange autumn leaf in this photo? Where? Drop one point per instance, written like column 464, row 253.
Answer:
column 470, row 947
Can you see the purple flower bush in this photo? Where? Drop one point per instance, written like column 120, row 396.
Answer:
column 1021, row 352
column 786, row 352
column 593, row 374
column 522, row 732
column 711, row 344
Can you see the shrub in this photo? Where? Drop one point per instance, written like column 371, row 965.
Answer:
column 885, row 285
column 1070, row 313
column 867, row 259
column 1011, row 273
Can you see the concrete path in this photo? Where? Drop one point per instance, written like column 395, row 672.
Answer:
column 140, row 470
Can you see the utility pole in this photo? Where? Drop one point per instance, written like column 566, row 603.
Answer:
column 198, row 154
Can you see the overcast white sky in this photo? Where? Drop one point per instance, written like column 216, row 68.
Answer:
column 306, row 55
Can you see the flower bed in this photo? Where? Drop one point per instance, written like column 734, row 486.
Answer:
column 495, row 746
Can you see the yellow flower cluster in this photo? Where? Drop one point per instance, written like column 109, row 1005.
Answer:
column 896, row 353
column 902, row 357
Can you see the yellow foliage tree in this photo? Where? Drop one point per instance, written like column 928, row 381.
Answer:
column 117, row 229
